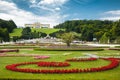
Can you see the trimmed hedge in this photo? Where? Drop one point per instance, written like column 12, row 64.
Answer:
column 117, row 46
column 16, row 47
column 114, row 49
column 68, row 49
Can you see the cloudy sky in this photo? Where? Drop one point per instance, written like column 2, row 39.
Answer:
column 58, row 11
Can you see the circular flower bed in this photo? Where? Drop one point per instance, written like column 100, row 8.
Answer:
column 53, row 64
column 14, row 67
column 81, row 59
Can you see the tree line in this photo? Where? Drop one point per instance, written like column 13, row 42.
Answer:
column 6, row 27
column 103, row 31
column 28, row 34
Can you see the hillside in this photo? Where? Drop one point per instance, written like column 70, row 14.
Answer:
column 17, row 32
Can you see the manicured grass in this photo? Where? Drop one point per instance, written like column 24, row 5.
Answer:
column 58, row 56
column 17, row 32
column 46, row 30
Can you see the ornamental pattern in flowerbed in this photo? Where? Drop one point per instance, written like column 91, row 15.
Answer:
column 15, row 67
column 53, row 64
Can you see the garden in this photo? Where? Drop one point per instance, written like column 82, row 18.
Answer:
column 80, row 64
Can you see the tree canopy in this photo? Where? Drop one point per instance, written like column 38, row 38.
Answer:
column 6, row 27
column 90, row 29
column 68, row 37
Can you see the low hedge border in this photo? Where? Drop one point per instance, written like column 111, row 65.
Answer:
column 118, row 49
column 68, row 49
column 117, row 46
column 16, row 47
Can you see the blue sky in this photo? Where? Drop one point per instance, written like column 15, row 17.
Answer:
column 58, row 11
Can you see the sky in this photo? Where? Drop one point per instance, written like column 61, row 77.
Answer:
column 54, row 12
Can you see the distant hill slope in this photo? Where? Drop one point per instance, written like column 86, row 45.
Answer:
column 18, row 31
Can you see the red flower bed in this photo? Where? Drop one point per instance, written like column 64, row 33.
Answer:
column 81, row 59
column 14, row 67
column 9, row 50
column 53, row 64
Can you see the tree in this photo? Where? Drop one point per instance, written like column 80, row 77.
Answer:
column 15, row 38
column 26, row 33
column 104, row 39
column 9, row 25
column 68, row 37
column 4, row 34
column 98, row 35
column 55, row 34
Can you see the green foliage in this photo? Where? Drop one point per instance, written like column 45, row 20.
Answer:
column 16, row 32
column 68, row 37
column 5, row 28
column 4, row 34
column 44, row 31
column 28, row 34
column 104, row 39
column 87, row 33
column 9, row 25
column 90, row 29
column 15, row 38
column 55, row 34
column 118, row 40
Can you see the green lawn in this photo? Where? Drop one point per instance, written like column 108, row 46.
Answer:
column 113, row 74
column 46, row 30
column 17, row 32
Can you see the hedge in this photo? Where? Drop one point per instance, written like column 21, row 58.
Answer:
column 117, row 46
column 68, row 49
column 16, row 47
column 114, row 49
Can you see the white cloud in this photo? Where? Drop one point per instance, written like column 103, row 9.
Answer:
column 49, row 5
column 49, row 2
column 33, row 1
column 116, row 12
column 111, row 15
column 110, row 18
column 83, row 1
column 57, row 8
column 9, row 10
